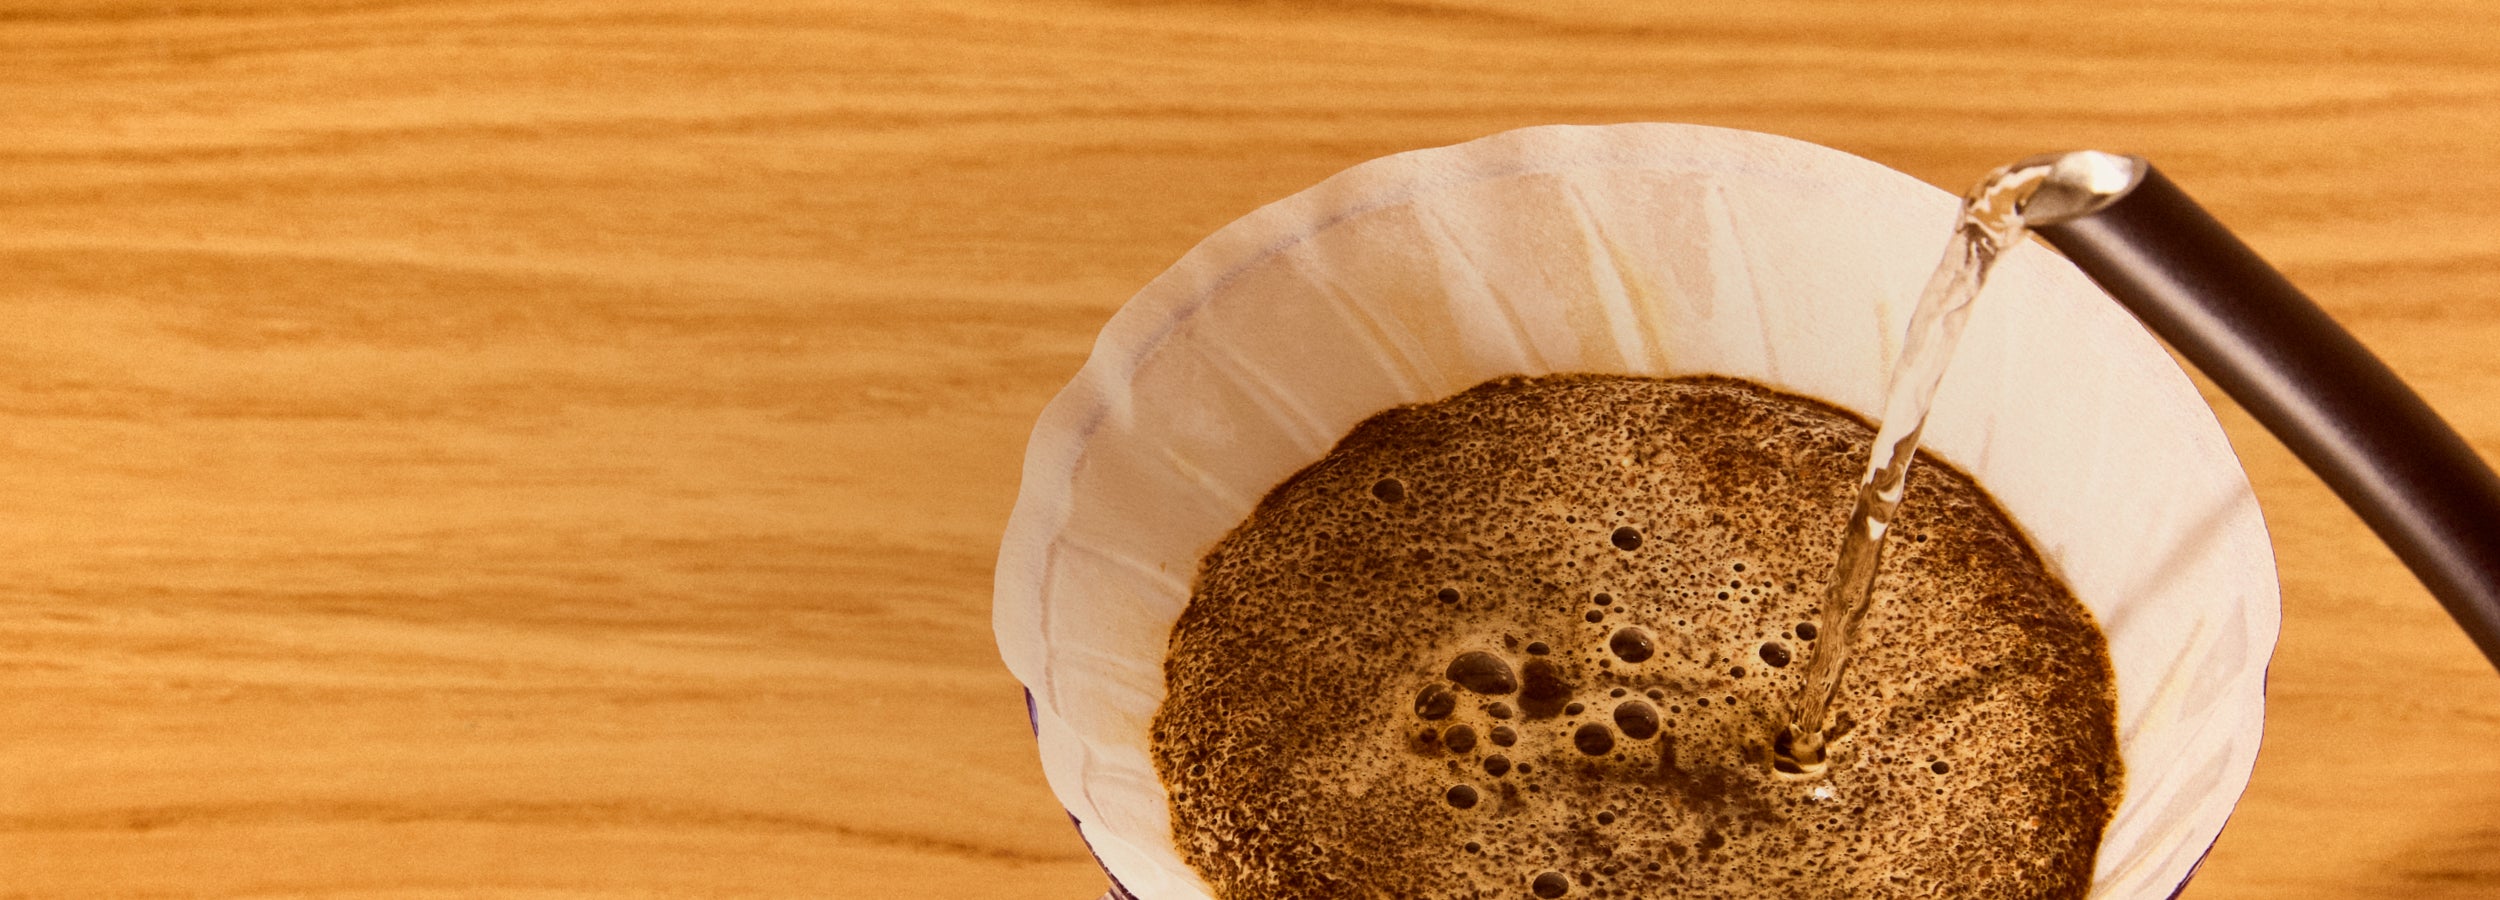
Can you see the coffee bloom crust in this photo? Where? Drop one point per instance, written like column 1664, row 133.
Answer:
column 1532, row 641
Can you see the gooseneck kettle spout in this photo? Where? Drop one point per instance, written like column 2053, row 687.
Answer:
column 2342, row 411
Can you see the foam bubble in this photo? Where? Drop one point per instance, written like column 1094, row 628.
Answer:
column 1632, row 645
column 1637, row 720
column 1543, row 689
column 1594, row 739
column 1483, row 673
column 1774, row 655
column 1435, row 702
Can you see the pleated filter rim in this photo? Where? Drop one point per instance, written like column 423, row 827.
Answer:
column 1638, row 249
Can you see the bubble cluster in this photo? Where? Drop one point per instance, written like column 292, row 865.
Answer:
column 1532, row 641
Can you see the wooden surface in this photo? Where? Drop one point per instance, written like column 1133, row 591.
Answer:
column 557, row 449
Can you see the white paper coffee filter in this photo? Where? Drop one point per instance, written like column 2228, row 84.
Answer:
column 1644, row 249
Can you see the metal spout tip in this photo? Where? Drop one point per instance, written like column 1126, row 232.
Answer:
column 2079, row 184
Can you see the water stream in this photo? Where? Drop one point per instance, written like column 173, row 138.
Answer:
column 1995, row 217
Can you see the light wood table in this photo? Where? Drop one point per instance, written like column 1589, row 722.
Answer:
column 504, row 449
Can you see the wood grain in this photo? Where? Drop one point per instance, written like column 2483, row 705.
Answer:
column 499, row 449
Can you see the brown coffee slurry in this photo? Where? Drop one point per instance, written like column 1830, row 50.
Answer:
column 1533, row 640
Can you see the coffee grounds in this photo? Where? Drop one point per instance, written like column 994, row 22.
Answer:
column 1661, row 545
